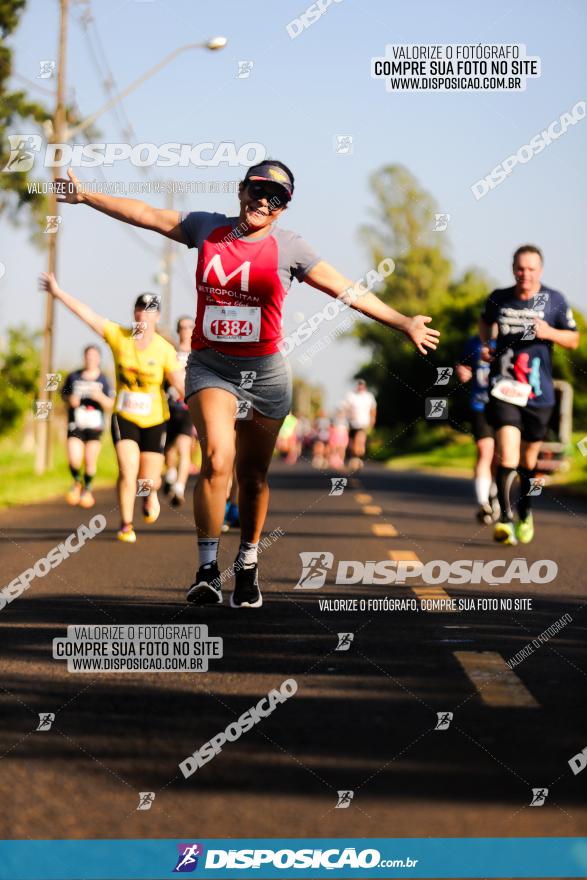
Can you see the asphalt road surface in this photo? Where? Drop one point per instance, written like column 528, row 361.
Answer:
column 363, row 719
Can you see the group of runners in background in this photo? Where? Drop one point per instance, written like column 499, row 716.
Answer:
column 88, row 395
column 245, row 267
column 335, row 442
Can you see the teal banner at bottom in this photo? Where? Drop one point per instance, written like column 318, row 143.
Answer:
column 269, row 859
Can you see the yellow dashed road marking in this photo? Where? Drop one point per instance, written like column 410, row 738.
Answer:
column 363, row 498
column 496, row 683
column 432, row 593
column 384, row 530
column 403, row 555
column 372, row 509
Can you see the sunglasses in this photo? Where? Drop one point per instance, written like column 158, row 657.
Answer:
column 258, row 191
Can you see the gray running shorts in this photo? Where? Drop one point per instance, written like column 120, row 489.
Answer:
column 264, row 381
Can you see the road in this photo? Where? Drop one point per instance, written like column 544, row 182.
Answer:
column 362, row 720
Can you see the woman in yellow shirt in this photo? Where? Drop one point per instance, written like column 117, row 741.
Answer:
column 143, row 360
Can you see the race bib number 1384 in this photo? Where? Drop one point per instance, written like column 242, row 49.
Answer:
column 232, row 323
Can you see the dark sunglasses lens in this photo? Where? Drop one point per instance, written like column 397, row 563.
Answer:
column 258, row 191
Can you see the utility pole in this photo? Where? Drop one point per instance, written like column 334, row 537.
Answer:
column 44, row 448
column 61, row 134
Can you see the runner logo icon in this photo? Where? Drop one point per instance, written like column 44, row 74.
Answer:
column 53, row 380
column 444, row 374
column 244, row 409
column 536, row 486
column 53, row 223
column 22, row 151
column 441, row 222
column 344, row 800
column 436, row 408
column 540, row 300
column 46, row 720
column 444, row 719
column 46, row 69
column 42, row 409
column 144, row 488
column 146, row 799
column 344, row 641
column 187, row 860
column 314, row 568
column 539, row 796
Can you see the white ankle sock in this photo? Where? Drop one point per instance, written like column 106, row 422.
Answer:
column 248, row 553
column 482, row 487
column 208, row 550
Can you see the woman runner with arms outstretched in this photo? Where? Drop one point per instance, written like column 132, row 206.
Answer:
column 244, row 270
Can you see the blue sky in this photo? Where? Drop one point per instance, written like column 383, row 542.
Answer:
column 300, row 95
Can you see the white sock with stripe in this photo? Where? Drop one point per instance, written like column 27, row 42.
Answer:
column 208, row 550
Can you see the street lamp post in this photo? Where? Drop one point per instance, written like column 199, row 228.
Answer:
column 61, row 134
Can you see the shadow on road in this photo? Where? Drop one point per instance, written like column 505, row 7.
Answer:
column 398, row 670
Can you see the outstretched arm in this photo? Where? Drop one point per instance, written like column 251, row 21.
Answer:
column 48, row 282
column 325, row 277
column 131, row 211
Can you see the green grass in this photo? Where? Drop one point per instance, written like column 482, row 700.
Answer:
column 20, row 484
column 458, row 457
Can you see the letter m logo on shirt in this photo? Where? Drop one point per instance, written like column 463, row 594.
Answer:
column 216, row 264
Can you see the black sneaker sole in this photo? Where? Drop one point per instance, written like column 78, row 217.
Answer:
column 256, row 604
column 203, row 594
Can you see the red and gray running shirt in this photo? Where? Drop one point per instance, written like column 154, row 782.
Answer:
column 241, row 284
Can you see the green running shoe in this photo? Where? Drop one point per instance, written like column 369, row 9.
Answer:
column 505, row 533
column 525, row 529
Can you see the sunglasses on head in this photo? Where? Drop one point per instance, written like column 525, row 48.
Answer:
column 258, row 191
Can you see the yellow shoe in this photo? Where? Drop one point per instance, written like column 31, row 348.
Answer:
column 74, row 494
column 87, row 499
column 525, row 529
column 505, row 533
column 151, row 513
column 127, row 535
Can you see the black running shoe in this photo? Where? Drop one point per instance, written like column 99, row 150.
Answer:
column 246, row 588
column 206, row 589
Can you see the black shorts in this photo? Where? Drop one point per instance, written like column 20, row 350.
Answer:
column 532, row 421
column 148, row 439
column 84, row 435
column 480, row 427
column 180, row 422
